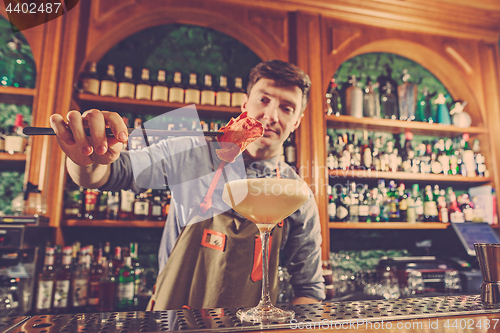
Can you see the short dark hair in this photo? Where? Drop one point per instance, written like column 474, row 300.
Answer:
column 284, row 74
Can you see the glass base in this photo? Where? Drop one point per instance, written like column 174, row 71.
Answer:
column 266, row 314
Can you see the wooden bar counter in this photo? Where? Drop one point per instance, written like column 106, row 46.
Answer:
column 426, row 314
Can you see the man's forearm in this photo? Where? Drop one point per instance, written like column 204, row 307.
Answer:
column 93, row 176
column 304, row 300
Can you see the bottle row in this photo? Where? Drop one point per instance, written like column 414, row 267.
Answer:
column 91, row 204
column 381, row 152
column 358, row 203
column 387, row 99
column 144, row 88
column 75, row 279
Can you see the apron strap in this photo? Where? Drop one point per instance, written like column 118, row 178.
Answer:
column 207, row 201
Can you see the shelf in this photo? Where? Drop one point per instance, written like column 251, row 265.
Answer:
column 16, row 157
column 372, row 174
column 112, row 223
column 13, row 95
column 88, row 101
column 398, row 126
column 387, row 225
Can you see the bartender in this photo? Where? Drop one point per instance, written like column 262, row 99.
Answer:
column 215, row 262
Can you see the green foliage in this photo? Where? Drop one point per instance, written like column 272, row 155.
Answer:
column 8, row 114
column 11, row 184
column 184, row 48
column 17, row 66
column 373, row 65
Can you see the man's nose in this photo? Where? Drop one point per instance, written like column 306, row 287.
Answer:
column 271, row 112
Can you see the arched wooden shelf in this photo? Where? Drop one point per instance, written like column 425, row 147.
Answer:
column 112, row 223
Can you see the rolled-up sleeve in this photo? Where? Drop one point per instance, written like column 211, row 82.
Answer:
column 302, row 252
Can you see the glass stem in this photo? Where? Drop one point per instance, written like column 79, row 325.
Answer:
column 265, row 300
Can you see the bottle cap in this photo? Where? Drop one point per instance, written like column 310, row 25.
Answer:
column 19, row 122
column 409, row 135
column 465, row 136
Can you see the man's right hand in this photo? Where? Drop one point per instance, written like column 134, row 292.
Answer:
column 95, row 149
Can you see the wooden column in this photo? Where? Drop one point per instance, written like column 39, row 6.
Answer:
column 311, row 137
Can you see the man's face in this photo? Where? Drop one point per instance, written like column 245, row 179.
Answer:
column 277, row 108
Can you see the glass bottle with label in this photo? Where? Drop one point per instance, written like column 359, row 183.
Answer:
column 374, row 202
column 237, row 93
column 160, row 88
column 393, row 202
column 354, row 99
column 353, row 204
column 442, row 207
column 403, row 203
column 63, row 282
column 192, row 93
column 46, row 283
column 141, row 207
column 290, row 150
column 90, row 203
column 126, row 87
column 454, row 212
column 342, row 210
column 176, row 89
column 363, row 207
column 102, row 205
column 107, row 287
column 388, row 102
column 407, row 98
column 332, row 207
column 113, row 205
column 156, row 208
column 90, row 80
column 418, row 203
column 127, row 199
column 467, row 208
column 371, row 100
column 430, row 206
column 223, row 93
column 138, row 272
column 108, row 83
column 96, row 274
column 80, row 282
column 208, row 92
column 73, row 203
column 333, row 100
column 125, row 286
column 143, row 88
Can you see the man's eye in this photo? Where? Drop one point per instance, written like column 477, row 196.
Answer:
column 288, row 109
column 263, row 99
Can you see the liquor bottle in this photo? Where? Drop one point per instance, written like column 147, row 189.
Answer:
column 96, row 274
column 342, row 210
column 117, row 259
column 113, row 205
column 166, row 198
column 430, row 206
column 106, row 251
column 125, row 286
column 108, row 83
column 138, row 272
column 141, row 207
column 63, row 282
column 176, row 89
column 353, row 203
column 46, row 283
column 363, row 207
column 192, row 94
column 16, row 140
column 73, row 203
column 346, row 153
column 208, row 92
column 79, row 284
column 126, row 87
column 407, row 98
column 407, row 153
column 290, row 150
column 411, row 213
column 143, row 88
column 332, row 207
column 366, row 153
column 371, row 100
column 403, row 203
column 454, row 211
column 156, row 208
column 354, row 99
column 237, row 93
column 388, row 102
column 374, row 203
column 333, row 100
column 442, row 207
column 423, row 111
column 419, row 205
column 102, row 205
column 160, row 88
column 107, row 287
column 467, row 208
column 90, row 80
column 393, row 202
column 127, row 199
column 90, row 203
column 223, row 95
column 468, row 161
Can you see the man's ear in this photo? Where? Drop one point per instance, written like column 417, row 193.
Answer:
column 297, row 123
column 244, row 104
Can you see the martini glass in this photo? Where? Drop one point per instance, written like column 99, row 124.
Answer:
column 266, row 202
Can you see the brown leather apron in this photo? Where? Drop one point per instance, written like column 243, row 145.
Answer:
column 217, row 263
